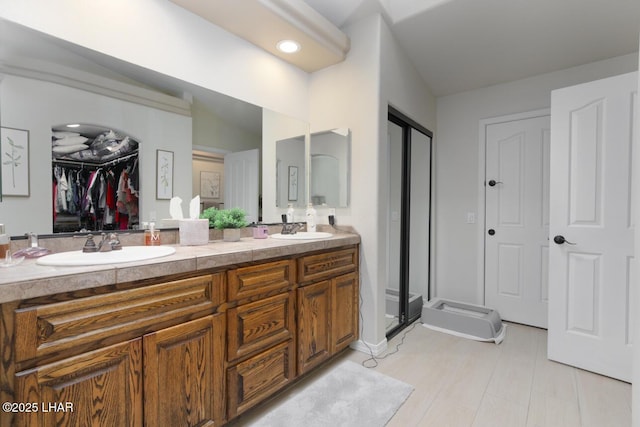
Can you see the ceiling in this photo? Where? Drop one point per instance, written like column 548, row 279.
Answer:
column 267, row 22
column 459, row 45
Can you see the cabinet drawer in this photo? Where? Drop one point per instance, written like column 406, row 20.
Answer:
column 88, row 382
column 258, row 378
column 84, row 322
column 251, row 281
column 324, row 265
column 258, row 325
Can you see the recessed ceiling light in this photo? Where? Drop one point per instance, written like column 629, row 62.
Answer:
column 74, row 125
column 288, row 46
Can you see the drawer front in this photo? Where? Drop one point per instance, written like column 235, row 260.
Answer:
column 84, row 322
column 258, row 325
column 256, row 379
column 321, row 266
column 260, row 279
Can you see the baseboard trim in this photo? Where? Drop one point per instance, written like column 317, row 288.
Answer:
column 372, row 349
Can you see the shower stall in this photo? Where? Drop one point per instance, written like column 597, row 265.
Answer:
column 409, row 218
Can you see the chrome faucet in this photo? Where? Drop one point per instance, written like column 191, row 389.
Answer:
column 107, row 243
column 290, row 228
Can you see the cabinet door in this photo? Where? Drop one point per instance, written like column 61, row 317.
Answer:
column 183, row 381
column 314, row 308
column 98, row 388
column 259, row 377
column 344, row 311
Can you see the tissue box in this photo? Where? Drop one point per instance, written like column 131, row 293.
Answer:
column 194, row 232
column 170, row 223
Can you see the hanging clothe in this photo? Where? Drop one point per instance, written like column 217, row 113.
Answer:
column 98, row 196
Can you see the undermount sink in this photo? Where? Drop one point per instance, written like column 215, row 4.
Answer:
column 127, row 254
column 302, row 235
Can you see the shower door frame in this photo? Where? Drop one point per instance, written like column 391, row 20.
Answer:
column 407, row 124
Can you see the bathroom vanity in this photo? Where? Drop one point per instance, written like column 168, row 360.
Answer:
column 194, row 338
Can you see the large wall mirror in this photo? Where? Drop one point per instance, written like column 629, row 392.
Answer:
column 46, row 82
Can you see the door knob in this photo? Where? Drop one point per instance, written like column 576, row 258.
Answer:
column 560, row 240
column 491, row 232
column 493, row 182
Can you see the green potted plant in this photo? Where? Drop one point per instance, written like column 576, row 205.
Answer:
column 230, row 221
column 210, row 214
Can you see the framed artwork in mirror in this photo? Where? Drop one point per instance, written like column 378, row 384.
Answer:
column 293, row 183
column 164, row 174
column 14, row 154
column 209, row 185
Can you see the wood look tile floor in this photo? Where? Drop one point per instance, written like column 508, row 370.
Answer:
column 460, row 383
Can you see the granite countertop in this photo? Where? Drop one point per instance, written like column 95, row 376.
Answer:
column 30, row 280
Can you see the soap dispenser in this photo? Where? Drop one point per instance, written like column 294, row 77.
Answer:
column 4, row 242
column 290, row 214
column 151, row 235
column 311, row 218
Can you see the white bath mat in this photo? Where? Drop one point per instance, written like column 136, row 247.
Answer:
column 347, row 395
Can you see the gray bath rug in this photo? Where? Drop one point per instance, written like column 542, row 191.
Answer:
column 347, row 395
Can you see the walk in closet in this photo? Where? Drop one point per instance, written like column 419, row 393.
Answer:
column 95, row 179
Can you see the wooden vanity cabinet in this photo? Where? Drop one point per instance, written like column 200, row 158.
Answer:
column 327, row 319
column 128, row 357
column 193, row 350
column 260, row 333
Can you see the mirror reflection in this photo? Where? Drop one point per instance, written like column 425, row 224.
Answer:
column 47, row 82
column 291, row 172
column 329, row 182
column 95, row 178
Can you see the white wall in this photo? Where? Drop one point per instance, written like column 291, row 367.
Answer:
column 456, row 165
column 211, row 130
column 355, row 94
column 36, row 106
column 347, row 95
column 163, row 37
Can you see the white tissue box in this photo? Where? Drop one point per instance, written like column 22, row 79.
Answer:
column 170, row 223
column 194, row 232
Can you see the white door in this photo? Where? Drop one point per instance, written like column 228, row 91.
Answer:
column 241, row 184
column 590, row 277
column 517, row 219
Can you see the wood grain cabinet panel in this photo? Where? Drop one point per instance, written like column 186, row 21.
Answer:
column 328, row 310
column 313, row 268
column 256, row 326
column 99, row 388
column 257, row 378
column 344, row 311
column 269, row 277
column 85, row 322
column 314, row 310
column 184, row 368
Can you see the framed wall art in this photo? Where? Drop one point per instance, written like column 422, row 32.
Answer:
column 293, row 183
column 209, row 185
column 164, row 174
column 14, row 155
